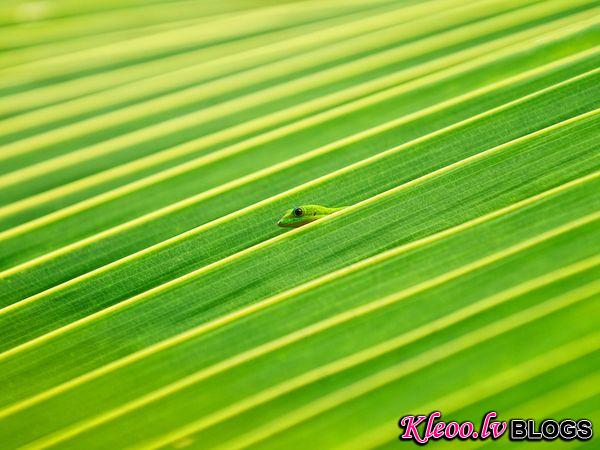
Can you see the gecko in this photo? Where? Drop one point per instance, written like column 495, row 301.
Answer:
column 302, row 215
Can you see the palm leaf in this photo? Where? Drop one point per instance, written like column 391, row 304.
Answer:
column 147, row 299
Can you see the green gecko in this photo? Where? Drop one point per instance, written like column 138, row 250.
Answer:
column 302, row 215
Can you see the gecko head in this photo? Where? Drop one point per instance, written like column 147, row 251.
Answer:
column 299, row 216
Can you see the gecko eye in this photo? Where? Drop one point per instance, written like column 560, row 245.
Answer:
column 298, row 212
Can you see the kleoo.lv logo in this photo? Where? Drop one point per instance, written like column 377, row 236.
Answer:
column 425, row 428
